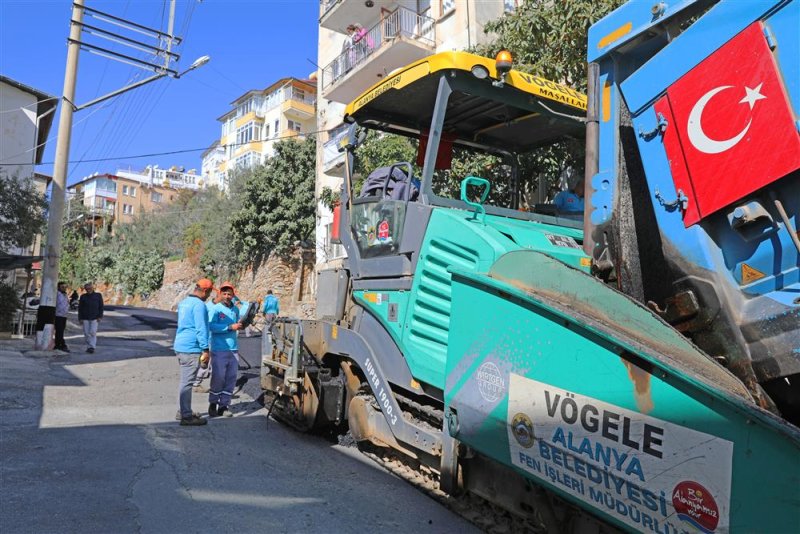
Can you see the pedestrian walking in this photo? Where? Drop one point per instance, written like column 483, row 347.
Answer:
column 90, row 313
column 270, row 310
column 191, row 344
column 62, row 309
column 224, row 325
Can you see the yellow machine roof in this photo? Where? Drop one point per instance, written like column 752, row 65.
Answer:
column 524, row 112
column 465, row 61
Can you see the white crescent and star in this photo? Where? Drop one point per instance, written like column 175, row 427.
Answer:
column 698, row 137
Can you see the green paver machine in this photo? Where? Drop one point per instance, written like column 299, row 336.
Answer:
column 466, row 334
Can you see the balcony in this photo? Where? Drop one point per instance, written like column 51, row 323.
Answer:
column 336, row 15
column 298, row 109
column 402, row 37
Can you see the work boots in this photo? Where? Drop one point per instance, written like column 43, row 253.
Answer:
column 212, row 410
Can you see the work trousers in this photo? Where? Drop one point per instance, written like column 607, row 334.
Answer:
column 189, row 363
column 224, row 368
column 90, row 333
column 270, row 320
column 61, row 325
column 202, row 374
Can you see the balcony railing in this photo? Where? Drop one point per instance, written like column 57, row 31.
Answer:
column 328, row 4
column 400, row 23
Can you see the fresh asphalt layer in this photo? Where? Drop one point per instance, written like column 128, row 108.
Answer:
column 89, row 443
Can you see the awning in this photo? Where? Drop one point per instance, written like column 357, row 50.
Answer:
column 9, row 262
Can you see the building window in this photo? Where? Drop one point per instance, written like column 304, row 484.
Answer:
column 245, row 107
column 247, row 159
column 294, row 126
column 127, row 209
column 248, row 133
column 447, row 6
column 104, row 184
column 266, row 131
column 277, row 128
column 156, row 197
column 129, row 190
column 510, row 5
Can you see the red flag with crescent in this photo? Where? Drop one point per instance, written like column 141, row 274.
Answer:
column 731, row 127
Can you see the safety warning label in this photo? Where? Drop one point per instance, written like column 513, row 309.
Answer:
column 650, row 474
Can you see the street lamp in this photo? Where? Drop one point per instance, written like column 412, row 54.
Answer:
column 199, row 62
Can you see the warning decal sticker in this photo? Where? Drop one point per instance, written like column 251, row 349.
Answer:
column 650, row 474
column 750, row 275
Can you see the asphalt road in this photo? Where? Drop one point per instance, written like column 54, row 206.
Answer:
column 88, row 443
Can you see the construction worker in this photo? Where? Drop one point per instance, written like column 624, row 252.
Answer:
column 270, row 310
column 191, row 344
column 224, row 325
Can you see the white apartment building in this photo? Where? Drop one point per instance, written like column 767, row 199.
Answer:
column 398, row 32
column 212, row 160
column 256, row 121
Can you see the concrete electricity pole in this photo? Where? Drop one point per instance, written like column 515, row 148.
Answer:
column 46, row 315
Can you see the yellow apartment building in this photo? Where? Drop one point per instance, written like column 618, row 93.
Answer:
column 256, row 120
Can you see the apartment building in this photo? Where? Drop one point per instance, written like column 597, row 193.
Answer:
column 109, row 199
column 397, row 32
column 258, row 119
column 211, row 169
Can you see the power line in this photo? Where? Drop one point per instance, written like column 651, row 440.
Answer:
column 29, row 105
column 53, row 138
column 172, row 152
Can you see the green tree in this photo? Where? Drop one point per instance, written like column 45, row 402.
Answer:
column 21, row 212
column 549, row 38
column 276, row 208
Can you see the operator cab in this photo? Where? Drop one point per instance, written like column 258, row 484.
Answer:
column 475, row 123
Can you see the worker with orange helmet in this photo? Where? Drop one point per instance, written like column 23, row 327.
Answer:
column 224, row 325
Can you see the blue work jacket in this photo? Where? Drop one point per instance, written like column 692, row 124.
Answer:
column 192, row 334
column 220, row 318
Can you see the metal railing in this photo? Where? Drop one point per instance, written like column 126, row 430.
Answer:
column 400, row 23
column 327, row 5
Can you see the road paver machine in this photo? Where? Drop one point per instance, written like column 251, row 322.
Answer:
column 472, row 335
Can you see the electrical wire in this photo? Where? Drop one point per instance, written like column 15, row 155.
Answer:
column 53, row 138
column 181, row 151
column 29, row 105
column 96, row 94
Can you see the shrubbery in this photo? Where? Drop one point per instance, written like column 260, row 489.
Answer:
column 267, row 210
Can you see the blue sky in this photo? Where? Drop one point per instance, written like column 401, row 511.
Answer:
column 251, row 44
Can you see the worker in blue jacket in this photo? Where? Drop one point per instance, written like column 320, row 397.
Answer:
column 191, row 343
column 270, row 310
column 224, row 325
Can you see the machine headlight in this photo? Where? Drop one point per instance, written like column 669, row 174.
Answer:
column 480, row 72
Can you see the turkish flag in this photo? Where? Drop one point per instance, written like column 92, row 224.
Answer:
column 731, row 127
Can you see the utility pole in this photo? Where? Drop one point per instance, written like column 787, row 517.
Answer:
column 46, row 314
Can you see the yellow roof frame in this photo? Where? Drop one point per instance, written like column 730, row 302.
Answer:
column 534, row 85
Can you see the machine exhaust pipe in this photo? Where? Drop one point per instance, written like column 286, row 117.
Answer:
column 592, row 152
